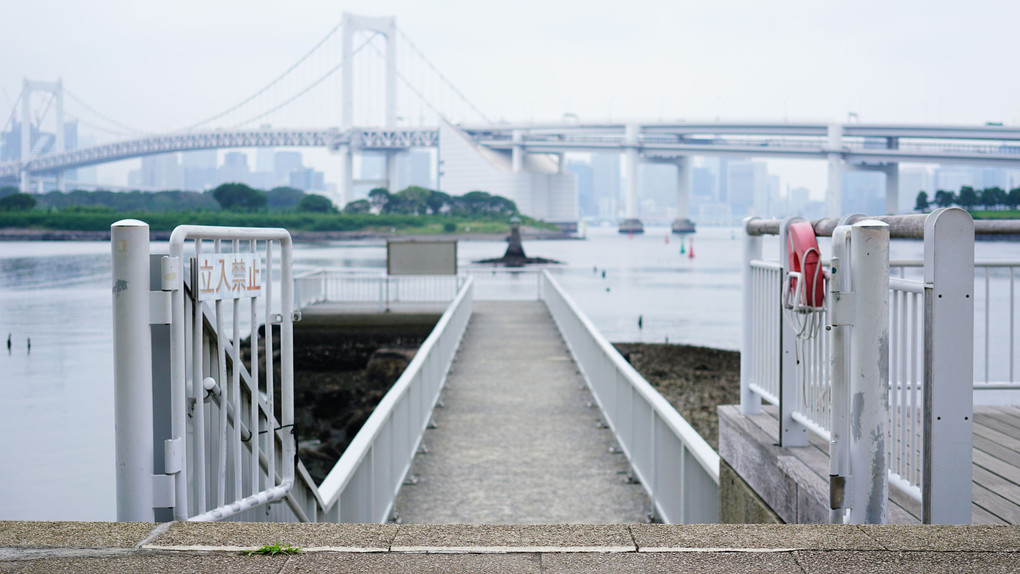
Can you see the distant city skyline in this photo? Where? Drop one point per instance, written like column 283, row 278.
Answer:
column 161, row 66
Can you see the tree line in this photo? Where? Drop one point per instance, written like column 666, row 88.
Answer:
column 238, row 197
column 990, row 198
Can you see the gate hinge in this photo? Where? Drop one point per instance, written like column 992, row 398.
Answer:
column 170, row 271
column 173, row 455
column 160, row 308
column 841, row 309
column 163, row 493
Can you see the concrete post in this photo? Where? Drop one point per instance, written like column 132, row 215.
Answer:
column 834, row 197
column 132, row 370
column 869, row 373
column 949, row 366
column 391, row 171
column 750, row 401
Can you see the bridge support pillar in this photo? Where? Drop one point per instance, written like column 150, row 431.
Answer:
column 517, row 154
column 683, row 223
column 391, row 171
column 892, row 188
column 346, row 183
column 631, row 223
column 834, row 195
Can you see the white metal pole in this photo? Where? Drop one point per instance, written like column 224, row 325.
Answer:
column 132, row 370
column 750, row 402
column 839, row 395
column 949, row 366
column 869, row 372
column 791, row 432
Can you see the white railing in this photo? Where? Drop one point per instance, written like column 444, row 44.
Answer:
column 376, row 288
column 677, row 468
column 807, row 369
column 224, row 452
column 364, row 483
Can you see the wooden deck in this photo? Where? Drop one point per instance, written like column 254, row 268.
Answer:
column 996, row 463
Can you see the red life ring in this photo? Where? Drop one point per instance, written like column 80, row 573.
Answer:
column 806, row 259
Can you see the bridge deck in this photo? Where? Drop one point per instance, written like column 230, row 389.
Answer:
column 517, row 441
column 996, row 462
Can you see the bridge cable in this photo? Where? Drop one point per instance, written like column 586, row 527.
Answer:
column 421, row 96
column 443, row 78
column 130, row 130
column 270, row 84
column 14, row 110
column 307, row 89
column 105, row 129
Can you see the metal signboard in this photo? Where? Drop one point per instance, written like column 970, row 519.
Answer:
column 228, row 276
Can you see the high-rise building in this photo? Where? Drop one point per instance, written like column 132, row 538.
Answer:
column 285, row 162
column 746, row 187
column 413, row 168
column 307, row 179
column 864, row 192
column 235, row 168
column 913, row 180
column 606, row 184
column 586, row 204
column 200, row 169
column 657, row 182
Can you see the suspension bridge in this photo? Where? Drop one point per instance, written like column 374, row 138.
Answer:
column 365, row 87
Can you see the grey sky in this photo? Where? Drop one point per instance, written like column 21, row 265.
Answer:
column 161, row 65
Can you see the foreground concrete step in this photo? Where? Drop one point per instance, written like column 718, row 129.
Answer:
column 197, row 547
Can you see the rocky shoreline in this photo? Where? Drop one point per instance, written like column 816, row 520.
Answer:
column 340, row 378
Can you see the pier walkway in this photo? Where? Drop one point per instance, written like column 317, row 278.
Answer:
column 517, row 440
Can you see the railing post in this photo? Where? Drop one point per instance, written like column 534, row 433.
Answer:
column 869, row 372
column 791, row 432
column 750, row 402
column 948, row 366
column 132, row 370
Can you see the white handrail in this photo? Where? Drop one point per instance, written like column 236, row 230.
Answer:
column 657, row 441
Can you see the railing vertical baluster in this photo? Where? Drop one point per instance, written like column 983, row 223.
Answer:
column 270, row 367
column 235, row 386
column 1012, row 312
column 988, row 315
column 253, row 386
column 221, row 483
column 200, row 485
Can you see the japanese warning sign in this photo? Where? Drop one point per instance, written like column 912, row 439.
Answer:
column 228, row 276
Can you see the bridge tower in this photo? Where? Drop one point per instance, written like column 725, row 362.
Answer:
column 57, row 90
column 387, row 27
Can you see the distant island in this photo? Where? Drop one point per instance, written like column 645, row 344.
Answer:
column 415, row 210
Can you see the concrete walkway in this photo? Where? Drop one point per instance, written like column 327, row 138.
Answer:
column 29, row 547
column 518, row 441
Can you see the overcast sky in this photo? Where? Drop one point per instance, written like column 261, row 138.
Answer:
column 159, row 65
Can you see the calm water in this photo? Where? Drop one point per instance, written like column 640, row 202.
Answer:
column 56, row 431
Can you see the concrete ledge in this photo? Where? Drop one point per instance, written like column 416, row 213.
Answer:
column 484, row 538
column 201, row 547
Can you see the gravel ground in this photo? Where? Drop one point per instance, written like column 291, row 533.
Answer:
column 695, row 380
